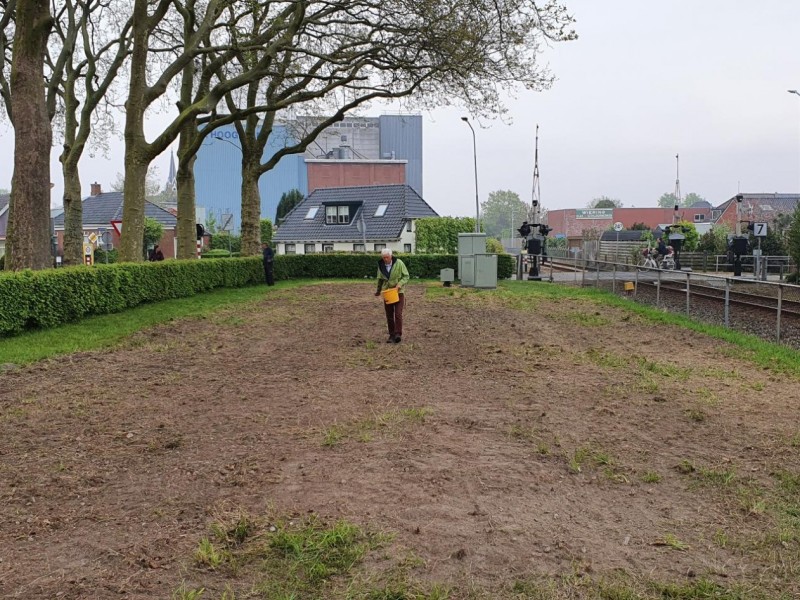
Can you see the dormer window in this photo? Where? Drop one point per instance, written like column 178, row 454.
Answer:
column 312, row 212
column 381, row 210
column 337, row 215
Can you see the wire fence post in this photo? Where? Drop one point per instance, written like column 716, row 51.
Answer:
column 658, row 290
column 614, row 279
column 780, row 301
column 727, row 301
column 688, row 276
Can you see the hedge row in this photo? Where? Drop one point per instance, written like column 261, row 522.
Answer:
column 52, row 297
column 48, row 298
column 425, row 266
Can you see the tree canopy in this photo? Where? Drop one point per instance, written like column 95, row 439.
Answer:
column 440, row 234
column 669, row 200
column 502, row 213
column 605, row 202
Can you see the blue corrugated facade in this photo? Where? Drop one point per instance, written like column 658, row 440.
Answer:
column 402, row 134
column 218, row 176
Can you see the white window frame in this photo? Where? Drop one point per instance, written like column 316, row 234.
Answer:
column 699, row 218
column 327, row 248
column 337, row 214
column 381, row 210
column 378, row 247
column 409, row 226
column 359, row 248
column 313, row 248
column 407, row 248
column 290, row 249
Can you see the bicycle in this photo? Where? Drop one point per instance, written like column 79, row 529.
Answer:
column 648, row 259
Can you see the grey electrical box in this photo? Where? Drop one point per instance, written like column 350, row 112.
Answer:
column 486, row 271
column 466, row 270
column 471, row 243
column 447, row 275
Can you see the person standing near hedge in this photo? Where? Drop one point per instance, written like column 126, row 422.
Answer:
column 392, row 273
column 269, row 260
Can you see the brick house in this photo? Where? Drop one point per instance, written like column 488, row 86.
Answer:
column 101, row 208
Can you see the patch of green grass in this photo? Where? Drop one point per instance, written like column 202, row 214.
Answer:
column 593, row 457
column 663, row 369
column 671, row 541
column 185, row 593
column 794, row 441
column 651, row 477
column 716, row 477
column 770, row 356
column 589, row 320
column 606, row 359
column 721, row 538
column 391, row 422
column 332, row 435
column 208, row 555
column 696, row 414
column 104, row 331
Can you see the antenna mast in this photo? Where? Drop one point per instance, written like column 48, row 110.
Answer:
column 677, row 187
column 536, row 192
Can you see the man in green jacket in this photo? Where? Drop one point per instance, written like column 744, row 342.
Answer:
column 392, row 273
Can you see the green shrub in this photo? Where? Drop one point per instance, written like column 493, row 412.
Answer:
column 30, row 299
column 100, row 256
column 216, row 253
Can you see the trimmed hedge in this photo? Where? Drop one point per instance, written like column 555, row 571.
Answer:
column 48, row 298
column 357, row 266
column 30, row 299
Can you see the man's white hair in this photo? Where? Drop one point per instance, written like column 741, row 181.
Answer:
column 386, row 252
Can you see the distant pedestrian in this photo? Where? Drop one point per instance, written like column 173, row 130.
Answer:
column 269, row 260
column 392, row 273
column 156, row 254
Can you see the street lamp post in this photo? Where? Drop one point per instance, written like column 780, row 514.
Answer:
column 475, row 157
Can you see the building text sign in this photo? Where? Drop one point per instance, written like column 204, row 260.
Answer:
column 594, row 213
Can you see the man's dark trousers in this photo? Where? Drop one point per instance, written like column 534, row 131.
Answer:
column 394, row 316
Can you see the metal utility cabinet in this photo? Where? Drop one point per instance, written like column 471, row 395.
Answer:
column 476, row 267
column 485, row 271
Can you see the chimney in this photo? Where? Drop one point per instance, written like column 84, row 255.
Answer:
column 96, row 189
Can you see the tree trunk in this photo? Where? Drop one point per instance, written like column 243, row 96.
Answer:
column 187, row 231
column 29, row 209
column 251, row 209
column 136, row 159
column 73, row 215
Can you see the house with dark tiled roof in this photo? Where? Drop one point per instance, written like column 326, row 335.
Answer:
column 758, row 208
column 102, row 208
column 4, row 200
column 353, row 219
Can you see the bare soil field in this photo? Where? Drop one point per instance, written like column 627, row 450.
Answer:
column 512, row 446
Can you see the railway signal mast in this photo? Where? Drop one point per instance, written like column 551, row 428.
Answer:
column 675, row 232
column 533, row 231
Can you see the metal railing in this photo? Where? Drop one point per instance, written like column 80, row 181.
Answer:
column 768, row 309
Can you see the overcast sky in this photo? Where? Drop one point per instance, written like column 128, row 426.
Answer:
column 706, row 79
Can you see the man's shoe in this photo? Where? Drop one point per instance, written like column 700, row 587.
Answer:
column 390, row 340
column 397, row 339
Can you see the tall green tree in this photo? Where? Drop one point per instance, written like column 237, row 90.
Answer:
column 266, row 231
column 669, row 200
column 692, row 237
column 439, row 235
column 502, row 213
column 605, row 202
column 287, row 202
column 28, row 235
column 153, row 232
